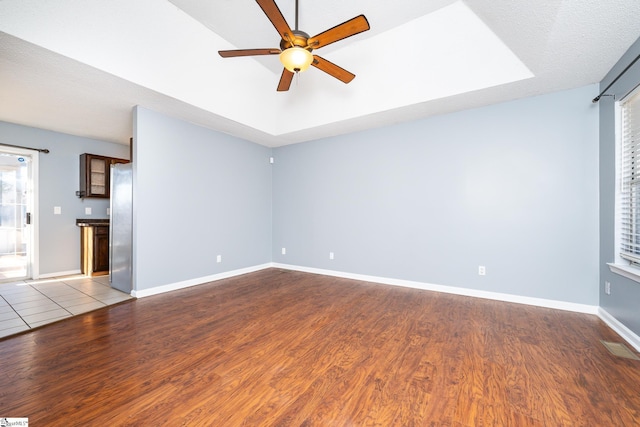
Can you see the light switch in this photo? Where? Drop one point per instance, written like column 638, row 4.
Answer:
column 87, row 211
column 57, row 210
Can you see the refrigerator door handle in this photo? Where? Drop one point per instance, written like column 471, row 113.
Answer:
column 110, row 224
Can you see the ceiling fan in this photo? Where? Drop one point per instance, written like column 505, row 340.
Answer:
column 296, row 46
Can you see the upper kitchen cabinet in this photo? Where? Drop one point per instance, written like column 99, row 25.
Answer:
column 94, row 175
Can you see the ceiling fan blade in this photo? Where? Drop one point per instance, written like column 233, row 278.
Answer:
column 285, row 80
column 270, row 8
column 339, row 32
column 332, row 69
column 247, row 52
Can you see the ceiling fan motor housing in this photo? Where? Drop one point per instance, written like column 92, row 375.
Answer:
column 299, row 39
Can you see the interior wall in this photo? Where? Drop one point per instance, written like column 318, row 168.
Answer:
column 625, row 293
column 58, row 182
column 197, row 194
column 512, row 187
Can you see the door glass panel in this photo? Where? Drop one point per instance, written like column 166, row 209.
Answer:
column 14, row 237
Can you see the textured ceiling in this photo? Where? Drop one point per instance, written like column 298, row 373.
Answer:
column 79, row 66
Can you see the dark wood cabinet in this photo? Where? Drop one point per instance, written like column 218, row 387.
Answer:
column 101, row 249
column 95, row 250
column 94, row 175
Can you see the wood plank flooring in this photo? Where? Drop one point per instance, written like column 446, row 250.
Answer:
column 283, row 348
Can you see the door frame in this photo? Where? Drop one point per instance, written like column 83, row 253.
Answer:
column 33, row 270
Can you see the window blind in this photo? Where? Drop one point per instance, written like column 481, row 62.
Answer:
column 630, row 179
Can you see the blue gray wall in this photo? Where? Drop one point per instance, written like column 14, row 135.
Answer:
column 624, row 300
column 198, row 193
column 513, row 187
column 58, row 181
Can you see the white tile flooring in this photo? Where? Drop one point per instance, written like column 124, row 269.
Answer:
column 28, row 304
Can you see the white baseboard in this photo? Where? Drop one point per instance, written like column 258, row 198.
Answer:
column 539, row 302
column 58, row 274
column 197, row 281
column 627, row 334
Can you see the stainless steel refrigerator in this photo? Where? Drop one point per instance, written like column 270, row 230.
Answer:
column 121, row 225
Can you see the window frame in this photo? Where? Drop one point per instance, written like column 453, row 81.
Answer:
column 622, row 265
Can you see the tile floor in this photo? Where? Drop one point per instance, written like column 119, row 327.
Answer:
column 28, row 304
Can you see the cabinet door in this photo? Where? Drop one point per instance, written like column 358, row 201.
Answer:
column 99, row 177
column 95, row 171
column 94, row 176
column 101, row 249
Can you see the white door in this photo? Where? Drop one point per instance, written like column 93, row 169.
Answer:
column 18, row 172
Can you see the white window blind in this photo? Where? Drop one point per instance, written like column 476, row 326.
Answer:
column 630, row 179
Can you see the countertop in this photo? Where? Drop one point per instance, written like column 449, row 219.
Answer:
column 92, row 222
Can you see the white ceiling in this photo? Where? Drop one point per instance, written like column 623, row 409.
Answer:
column 79, row 66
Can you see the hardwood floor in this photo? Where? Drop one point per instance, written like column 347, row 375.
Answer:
column 283, row 348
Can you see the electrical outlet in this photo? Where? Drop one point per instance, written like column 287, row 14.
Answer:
column 57, row 210
column 482, row 271
column 219, row 258
column 87, row 211
column 330, row 255
column 284, row 251
column 607, row 288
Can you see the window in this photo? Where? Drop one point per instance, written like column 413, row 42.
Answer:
column 628, row 192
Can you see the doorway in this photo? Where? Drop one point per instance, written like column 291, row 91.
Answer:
column 18, row 172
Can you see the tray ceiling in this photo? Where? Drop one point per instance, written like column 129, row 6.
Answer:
column 80, row 66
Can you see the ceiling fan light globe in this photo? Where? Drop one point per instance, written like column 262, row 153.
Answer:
column 296, row 59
